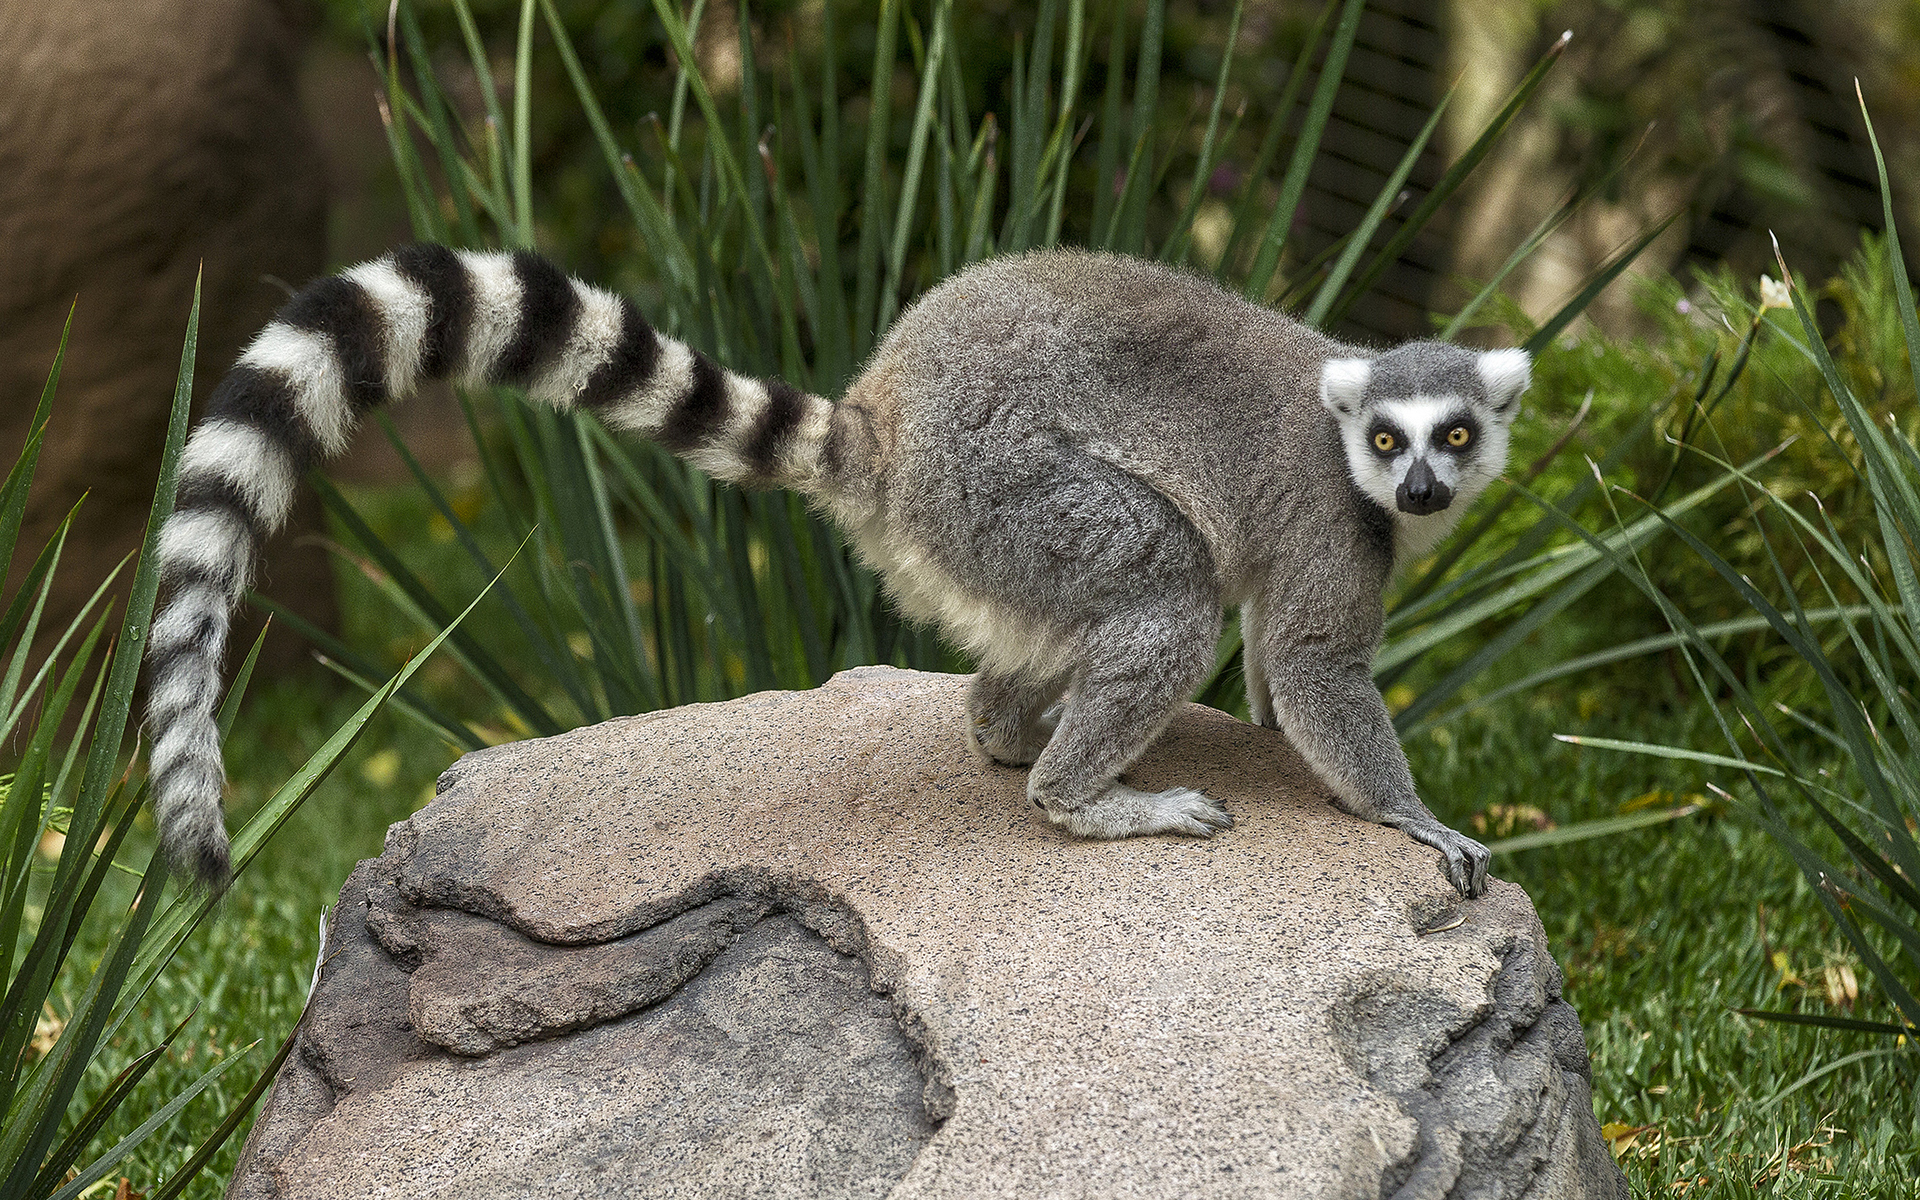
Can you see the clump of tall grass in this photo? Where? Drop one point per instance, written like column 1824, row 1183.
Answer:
column 1864, row 579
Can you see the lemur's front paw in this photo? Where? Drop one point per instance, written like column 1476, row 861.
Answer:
column 1465, row 859
column 1127, row 812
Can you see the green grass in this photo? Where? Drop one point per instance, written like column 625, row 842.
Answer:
column 1662, row 933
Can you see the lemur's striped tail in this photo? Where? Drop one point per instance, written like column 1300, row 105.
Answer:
column 346, row 344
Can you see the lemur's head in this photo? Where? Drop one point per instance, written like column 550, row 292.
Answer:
column 1425, row 424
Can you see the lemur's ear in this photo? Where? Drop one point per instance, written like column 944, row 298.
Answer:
column 1343, row 384
column 1506, row 374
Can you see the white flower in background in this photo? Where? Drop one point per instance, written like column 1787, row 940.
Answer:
column 1774, row 294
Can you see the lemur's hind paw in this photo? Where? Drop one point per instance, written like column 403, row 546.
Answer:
column 1465, row 860
column 1011, row 745
column 1127, row 812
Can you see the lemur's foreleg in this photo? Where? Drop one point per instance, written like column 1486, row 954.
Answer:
column 1326, row 703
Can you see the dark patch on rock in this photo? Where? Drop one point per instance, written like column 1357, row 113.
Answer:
column 484, row 987
column 1502, row 1092
column 728, row 1052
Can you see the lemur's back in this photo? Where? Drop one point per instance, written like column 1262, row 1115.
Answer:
column 1210, row 400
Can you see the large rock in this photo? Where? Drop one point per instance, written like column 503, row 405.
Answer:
column 803, row 944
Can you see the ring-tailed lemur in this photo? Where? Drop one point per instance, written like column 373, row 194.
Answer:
column 1070, row 462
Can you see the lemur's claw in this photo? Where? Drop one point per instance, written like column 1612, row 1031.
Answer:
column 1464, row 860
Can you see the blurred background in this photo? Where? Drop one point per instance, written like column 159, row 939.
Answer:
column 1739, row 115
column 1632, row 161
column 138, row 141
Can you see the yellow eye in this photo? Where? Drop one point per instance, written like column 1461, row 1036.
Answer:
column 1383, row 442
column 1459, row 436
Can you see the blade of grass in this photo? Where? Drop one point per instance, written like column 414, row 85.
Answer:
column 632, row 647
column 36, row 1119
column 422, row 213
column 1503, row 643
column 1146, row 102
column 677, row 112
column 1106, row 184
column 98, row 1169
column 1450, row 181
column 230, row 706
column 1026, row 118
column 1595, row 284
column 13, row 493
column 909, row 200
column 1306, row 148
column 1270, row 144
column 360, row 670
column 1176, row 247
column 479, row 658
column 722, row 149
column 1654, row 750
column 873, row 179
column 229, row 1125
column 27, row 607
column 1600, row 658
column 101, row 1111
column 1566, row 835
column 663, row 237
column 1075, row 63
column 1336, row 279
column 1823, row 1071
column 25, row 815
column 18, row 706
column 520, row 236
column 439, row 126
column 1824, row 1022
column 1848, row 721
column 1896, row 260
column 560, row 667
column 1541, row 232
column 980, row 221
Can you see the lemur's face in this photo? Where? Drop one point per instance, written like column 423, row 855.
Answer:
column 1425, row 425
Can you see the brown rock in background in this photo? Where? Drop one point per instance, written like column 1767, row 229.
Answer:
column 140, row 142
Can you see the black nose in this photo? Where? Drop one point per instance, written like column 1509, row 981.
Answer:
column 1420, row 492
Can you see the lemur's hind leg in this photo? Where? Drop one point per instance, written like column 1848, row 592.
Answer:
column 1138, row 666
column 1253, row 664
column 1010, row 718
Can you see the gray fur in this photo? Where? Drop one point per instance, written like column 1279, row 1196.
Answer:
column 1072, row 463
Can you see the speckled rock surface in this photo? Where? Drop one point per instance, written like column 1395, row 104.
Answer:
column 803, row 944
